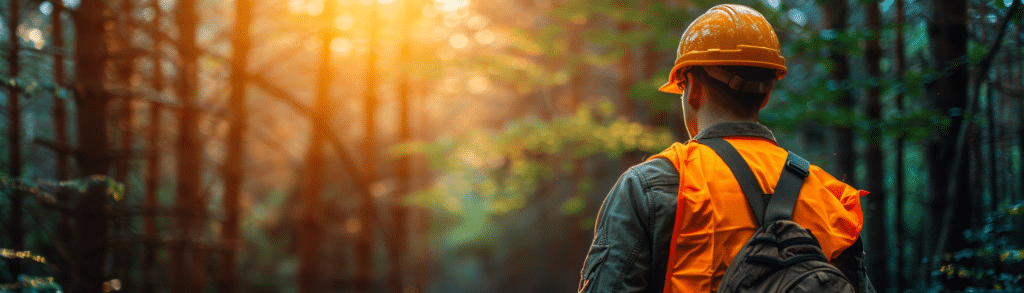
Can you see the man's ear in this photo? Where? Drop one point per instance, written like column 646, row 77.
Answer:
column 694, row 94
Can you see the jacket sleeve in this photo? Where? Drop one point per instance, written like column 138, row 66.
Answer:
column 622, row 257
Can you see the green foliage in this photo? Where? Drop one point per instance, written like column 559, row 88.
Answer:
column 26, row 283
column 43, row 191
column 994, row 260
column 38, row 189
column 647, row 91
column 498, row 172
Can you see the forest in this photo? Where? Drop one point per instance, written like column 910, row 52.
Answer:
column 467, row 145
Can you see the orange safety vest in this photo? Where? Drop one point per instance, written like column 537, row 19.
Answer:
column 713, row 219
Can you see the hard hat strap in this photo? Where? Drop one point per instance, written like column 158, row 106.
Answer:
column 737, row 82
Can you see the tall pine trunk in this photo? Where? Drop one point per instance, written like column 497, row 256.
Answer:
column 90, row 231
column 15, row 229
column 149, row 232
column 310, row 220
column 234, row 166
column 877, row 239
column 900, row 65
column 60, row 125
column 365, row 238
column 124, row 68
column 189, row 263
column 60, row 81
column 947, row 32
column 399, row 246
column 835, row 15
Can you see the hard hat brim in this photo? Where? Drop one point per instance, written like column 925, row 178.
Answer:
column 671, row 88
column 743, row 55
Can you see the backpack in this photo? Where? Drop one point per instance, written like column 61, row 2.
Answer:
column 781, row 256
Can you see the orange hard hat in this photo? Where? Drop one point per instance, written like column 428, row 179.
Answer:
column 728, row 34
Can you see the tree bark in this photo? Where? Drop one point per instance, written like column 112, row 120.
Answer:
column 91, row 246
column 15, row 227
column 875, row 225
column 310, row 219
column 60, row 82
column 234, row 166
column 189, row 267
column 124, row 67
column 93, row 158
column 900, row 65
column 149, row 250
column 835, row 16
column 365, row 238
column 399, row 246
column 60, row 125
column 947, row 34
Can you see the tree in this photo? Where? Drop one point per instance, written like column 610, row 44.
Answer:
column 16, row 230
column 834, row 14
column 309, row 221
column 234, row 166
column 189, row 265
column 365, row 239
column 947, row 32
column 875, row 223
column 399, row 246
column 900, row 65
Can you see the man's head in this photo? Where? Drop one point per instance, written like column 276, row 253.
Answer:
column 728, row 60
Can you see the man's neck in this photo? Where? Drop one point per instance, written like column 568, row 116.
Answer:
column 713, row 115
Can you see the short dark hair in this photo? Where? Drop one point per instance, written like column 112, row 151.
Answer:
column 743, row 103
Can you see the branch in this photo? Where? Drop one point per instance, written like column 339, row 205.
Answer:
column 60, row 148
column 360, row 183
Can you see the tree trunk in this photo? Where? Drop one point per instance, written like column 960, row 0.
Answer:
column 947, row 34
column 124, row 67
column 91, row 246
column 234, row 166
column 900, row 65
column 90, row 231
column 875, row 225
column 153, row 158
column 60, row 82
column 60, row 124
column 189, row 269
column 835, row 15
column 399, row 246
column 15, row 228
column 309, row 221
column 149, row 232
column 365, row 239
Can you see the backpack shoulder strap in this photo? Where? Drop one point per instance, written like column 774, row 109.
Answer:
column 743, row 174
column 788, row 189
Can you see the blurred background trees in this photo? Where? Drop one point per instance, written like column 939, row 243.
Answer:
column 466, row 146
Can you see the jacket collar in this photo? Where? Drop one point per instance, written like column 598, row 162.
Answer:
column 736, row 128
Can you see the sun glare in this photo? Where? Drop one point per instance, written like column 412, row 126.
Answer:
column 341, row 46
column 451, row 5
column 458, row 41
column 484, row 37
column 344, row 22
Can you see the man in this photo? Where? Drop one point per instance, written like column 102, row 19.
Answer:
column 686, row 201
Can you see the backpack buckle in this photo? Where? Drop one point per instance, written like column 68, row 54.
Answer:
column 798, row 165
